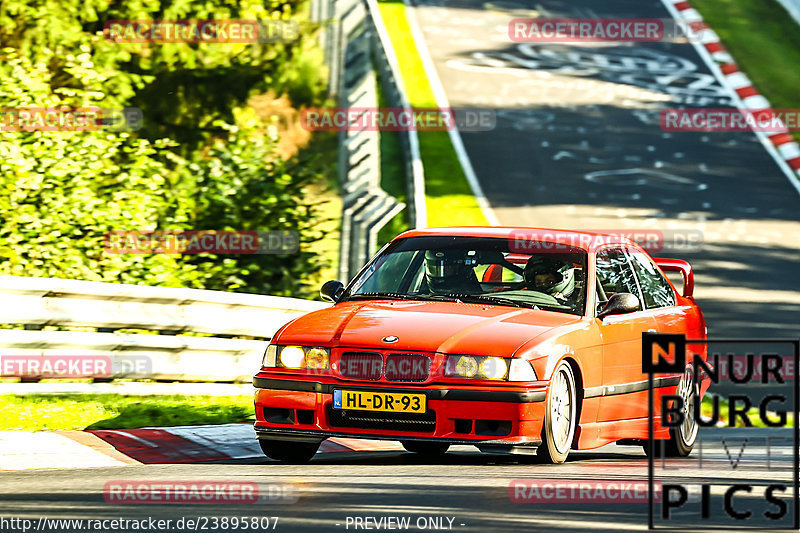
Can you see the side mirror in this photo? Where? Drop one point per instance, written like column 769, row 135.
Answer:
column 332, row 291
column 619, row 304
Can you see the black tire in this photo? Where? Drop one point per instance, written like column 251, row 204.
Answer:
column 289, row 451
column 425, row 448
column 560, row 419
column 682, row 438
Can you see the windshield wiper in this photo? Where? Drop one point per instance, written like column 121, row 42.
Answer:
column 455, row 297
column 385, row 295
column 472, row 298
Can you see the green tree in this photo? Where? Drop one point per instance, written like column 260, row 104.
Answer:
column 200, row 162
column 182, row 88
column 232, row 193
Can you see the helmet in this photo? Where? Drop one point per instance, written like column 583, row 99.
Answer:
column 549, row 275
column 444, row 265
column 567, row 285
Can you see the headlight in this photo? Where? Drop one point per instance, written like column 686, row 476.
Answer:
column 317, row 358
column 494, row 368
column 473, row 366
column 292, row 356
column 466, row 366
column 270, row 359
column 313, row 358
column 521, row 370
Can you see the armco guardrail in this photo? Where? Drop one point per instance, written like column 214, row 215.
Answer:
column 365, row 206
column 356, row 45
column 166, row 312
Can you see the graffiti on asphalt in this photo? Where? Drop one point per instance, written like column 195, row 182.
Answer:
column 669, row 74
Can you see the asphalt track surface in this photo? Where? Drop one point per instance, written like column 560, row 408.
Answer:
column 469, row 488
column 577, row 145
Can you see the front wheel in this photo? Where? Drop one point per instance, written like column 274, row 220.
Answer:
column 289, row 451
column 425, row 448
column 560, row 418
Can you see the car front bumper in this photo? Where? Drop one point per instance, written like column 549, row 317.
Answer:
column 302, row 410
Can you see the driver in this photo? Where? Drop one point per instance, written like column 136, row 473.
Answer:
column 550, row 276
column 451, row 271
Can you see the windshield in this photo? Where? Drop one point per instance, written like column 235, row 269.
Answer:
column 476, row 269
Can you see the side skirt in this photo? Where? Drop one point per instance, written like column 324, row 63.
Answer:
column 598, row 434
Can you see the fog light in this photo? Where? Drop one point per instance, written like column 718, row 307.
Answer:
column 292, row 357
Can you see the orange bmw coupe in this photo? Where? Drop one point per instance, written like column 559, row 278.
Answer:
column 514, row 340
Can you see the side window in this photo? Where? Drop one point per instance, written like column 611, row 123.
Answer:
column 614, row 273
column 656, row 290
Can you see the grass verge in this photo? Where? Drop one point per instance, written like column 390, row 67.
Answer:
column 765, row 42
column 753, row 415
column 114, row 411
column 449, row 198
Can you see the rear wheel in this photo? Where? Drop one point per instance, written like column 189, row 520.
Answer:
column 558, row 428
column 289, row 451
column 425, row 448
column 682, row 438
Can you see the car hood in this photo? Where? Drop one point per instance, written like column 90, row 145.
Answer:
column 446, row 327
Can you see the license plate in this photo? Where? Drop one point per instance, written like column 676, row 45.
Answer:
column 392, row 402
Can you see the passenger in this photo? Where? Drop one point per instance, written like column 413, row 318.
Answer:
column 550, row 276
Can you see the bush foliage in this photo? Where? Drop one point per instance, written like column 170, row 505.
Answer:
column 202, row 160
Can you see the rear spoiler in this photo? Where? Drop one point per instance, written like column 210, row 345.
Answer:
column 679, row 265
